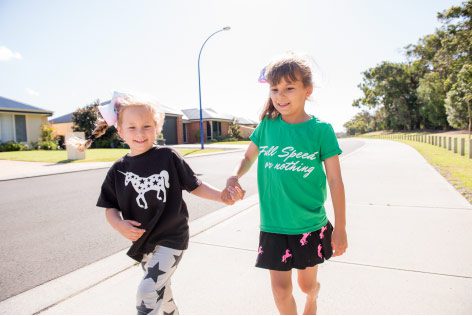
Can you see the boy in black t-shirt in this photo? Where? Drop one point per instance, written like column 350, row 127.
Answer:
column 142, row 194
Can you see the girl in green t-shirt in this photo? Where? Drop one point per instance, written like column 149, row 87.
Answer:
column 291, row 147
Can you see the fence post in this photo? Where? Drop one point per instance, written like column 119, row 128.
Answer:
column 440, row 141
column 455, row 145
column 449, row 143
column 470, row 148
column 445, row 146
column 462, row 147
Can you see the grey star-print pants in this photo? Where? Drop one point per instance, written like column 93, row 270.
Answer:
column 154, row 292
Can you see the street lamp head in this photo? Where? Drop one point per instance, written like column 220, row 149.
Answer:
column 226, row 28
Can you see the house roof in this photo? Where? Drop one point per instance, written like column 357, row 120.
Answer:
column 245, row 121
column 207, row 114
column 8, row 105
column 68, row 117
column 166, row 109
column 210, row 114
column 62, row 119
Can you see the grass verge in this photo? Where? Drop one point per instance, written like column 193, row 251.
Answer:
column 92, row 155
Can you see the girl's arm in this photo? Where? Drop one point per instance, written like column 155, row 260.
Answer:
column 244, row 165
column 336, row 187
column 128, row 228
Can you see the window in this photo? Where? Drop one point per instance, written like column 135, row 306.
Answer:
column 185, row 133
column 216, row 129
column 20, row 128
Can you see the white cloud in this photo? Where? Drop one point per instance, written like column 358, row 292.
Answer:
column 6, row 54
column 32, row 92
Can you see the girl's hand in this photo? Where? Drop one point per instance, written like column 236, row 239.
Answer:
column 339, row 241
column 232, row 194
column 129, row 230
column 237, row 191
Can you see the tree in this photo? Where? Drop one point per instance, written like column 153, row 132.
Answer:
column 431, row 96
column 84, row 120
column 234, row 131
column 362, row 123
column 459, row 99
column 392, row 86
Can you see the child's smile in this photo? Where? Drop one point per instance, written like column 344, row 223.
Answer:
column 137, row 129
column 289, row 99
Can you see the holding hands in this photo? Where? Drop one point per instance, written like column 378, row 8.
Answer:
column 233, row 191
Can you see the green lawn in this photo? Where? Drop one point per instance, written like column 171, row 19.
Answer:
column 92, row 155
column 455, row 168
column 239, row 142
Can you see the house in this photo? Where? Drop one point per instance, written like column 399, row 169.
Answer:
column 214, row 124
column 20, row 122
column 246, row 126
column 62, row 125
column 172, row 129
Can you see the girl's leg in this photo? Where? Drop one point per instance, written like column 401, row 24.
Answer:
column 154, row 294
column 281, row 282
column 307, row 280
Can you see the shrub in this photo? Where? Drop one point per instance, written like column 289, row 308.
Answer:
column 13, row 146
column 46, row 145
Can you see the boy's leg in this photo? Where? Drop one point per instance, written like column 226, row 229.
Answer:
column 307, row 280
column 154, row 290
column 168, row 306
column 281, row 282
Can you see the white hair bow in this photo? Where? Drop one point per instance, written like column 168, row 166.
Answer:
column 109, row 111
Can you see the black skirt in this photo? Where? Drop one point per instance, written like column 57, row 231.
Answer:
column 285, row 252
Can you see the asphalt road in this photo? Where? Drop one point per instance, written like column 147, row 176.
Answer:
column 50, row 225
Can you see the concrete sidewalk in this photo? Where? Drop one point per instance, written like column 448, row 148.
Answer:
column 409, row 253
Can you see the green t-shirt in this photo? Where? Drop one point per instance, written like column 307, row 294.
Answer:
column 291, row 178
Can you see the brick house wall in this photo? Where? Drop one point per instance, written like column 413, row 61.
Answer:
column 180, row 130
column 193, row 129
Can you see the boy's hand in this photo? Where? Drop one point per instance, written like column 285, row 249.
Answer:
column 339, row 241
column 232, row 194
column 129, row 229
column 237, row 191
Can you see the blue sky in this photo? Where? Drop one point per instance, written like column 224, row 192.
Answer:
column 61, row 55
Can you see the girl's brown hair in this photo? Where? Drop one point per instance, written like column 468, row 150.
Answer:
column 290, row 67
column 121, row 104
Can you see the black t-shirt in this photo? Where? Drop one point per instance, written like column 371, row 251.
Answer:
column 147, row 188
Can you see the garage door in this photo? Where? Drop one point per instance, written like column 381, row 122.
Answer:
column 170, row 130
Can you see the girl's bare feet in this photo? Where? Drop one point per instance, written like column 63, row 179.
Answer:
column 310, row 305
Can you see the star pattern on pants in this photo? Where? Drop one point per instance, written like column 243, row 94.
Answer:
column 160, row 294
column 177, row 259
column 154, row 273
column 142, row 309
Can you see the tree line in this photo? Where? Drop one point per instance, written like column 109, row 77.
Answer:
column 431, row 90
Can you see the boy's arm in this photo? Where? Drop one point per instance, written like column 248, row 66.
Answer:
column 336, row 187
column 128, row 228
column 207, row 191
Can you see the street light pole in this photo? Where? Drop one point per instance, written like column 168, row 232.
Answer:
column 226, row 28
